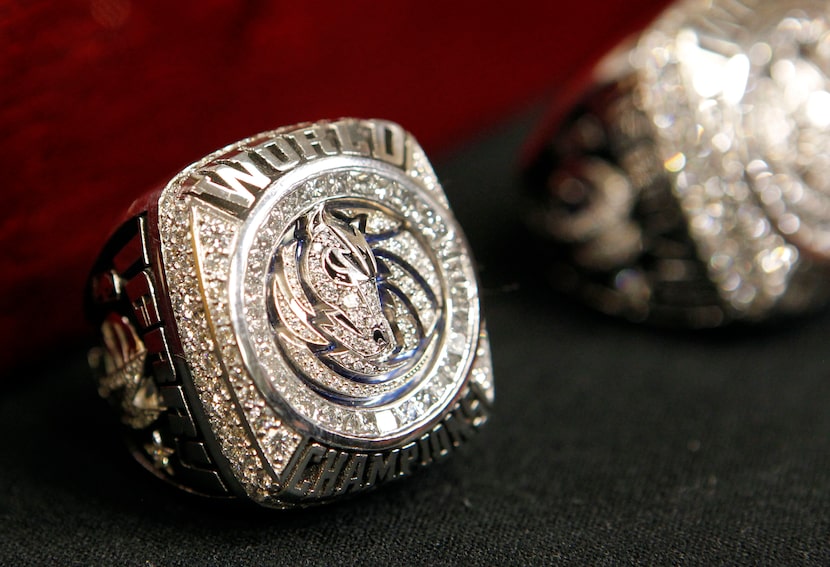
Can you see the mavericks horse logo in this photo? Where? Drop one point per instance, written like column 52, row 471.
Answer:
column 349, row 302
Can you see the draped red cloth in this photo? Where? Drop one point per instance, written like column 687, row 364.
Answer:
column 101, row 100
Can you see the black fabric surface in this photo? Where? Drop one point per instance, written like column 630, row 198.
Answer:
column 610, row 444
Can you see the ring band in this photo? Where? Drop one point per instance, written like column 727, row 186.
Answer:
column 293, row 318
column 688, row 187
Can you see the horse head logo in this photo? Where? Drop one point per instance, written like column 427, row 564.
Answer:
column 328, row 293
column 341, row 272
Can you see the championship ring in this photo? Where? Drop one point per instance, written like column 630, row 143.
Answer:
column 293, row 318
column 689, row 184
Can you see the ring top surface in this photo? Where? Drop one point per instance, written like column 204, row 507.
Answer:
column 361, row 331
column 326, row 304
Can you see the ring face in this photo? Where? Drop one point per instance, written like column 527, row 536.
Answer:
column 356, row 299
column 324, row 302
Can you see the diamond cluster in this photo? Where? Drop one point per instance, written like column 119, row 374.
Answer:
column 442, row 363
column 216, row 235
column 738, row 95
column 177, row 225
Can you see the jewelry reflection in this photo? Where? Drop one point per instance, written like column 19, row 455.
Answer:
column 690, row 185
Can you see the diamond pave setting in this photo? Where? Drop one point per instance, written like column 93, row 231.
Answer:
column 688, row 185
column 327, row 304
column 733, row 90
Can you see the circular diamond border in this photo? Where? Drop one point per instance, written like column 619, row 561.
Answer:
column 310, row 412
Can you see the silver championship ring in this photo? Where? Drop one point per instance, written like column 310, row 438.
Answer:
column 293, row 318
column 690, row 184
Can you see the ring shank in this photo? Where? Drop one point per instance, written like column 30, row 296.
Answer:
column 126, row 291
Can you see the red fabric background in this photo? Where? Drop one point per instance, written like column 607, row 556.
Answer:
column 103, row 99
